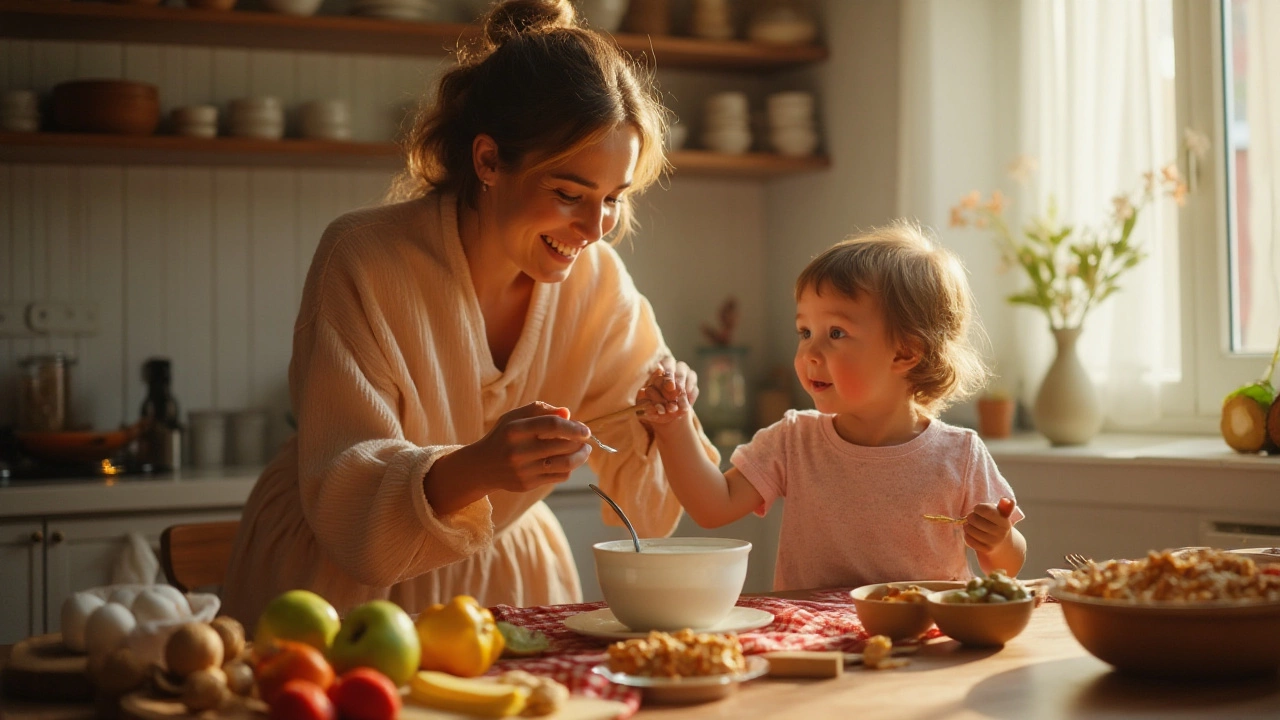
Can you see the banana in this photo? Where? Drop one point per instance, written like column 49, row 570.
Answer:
column 466, row 695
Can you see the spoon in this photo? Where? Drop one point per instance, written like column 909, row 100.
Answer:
column 604, row 447
column 634, row 538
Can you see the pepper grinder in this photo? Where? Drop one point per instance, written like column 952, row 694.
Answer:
column 160, row 442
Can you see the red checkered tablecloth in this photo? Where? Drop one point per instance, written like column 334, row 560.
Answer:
column 826, row 622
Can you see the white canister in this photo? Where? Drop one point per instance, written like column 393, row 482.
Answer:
column 249, row 437
column 208, row 438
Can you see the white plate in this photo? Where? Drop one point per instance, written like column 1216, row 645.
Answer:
column 602, row 624
column 699, row 688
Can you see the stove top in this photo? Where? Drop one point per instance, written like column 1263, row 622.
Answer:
column 17, row 466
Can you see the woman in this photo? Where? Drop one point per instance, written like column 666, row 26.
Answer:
column 444, row 341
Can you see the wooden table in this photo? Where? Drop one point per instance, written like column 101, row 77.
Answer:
column 1042, row 673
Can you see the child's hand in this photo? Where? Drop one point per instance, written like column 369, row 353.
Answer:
column 669, row 393
column 988, row 525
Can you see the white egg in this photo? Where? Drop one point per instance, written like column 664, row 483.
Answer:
column 174, row 594
column 107, row 629
column 124, row 596
column 151, row 605
column 76, row 610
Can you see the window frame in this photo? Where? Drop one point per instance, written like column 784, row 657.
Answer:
column 1210, row 368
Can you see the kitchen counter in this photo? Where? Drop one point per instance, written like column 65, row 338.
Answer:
column 183, row 490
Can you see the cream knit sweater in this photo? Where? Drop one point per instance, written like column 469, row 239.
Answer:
column 390, row 371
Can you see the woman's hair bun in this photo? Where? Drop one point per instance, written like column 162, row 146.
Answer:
column 516, row 17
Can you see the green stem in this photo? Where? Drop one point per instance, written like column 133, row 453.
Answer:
column 1271, row 367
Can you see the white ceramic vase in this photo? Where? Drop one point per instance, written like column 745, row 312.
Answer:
column 1067, row 410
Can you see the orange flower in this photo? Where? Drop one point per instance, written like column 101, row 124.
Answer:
column 996, row 206
column 957, row 217
column 971, row 201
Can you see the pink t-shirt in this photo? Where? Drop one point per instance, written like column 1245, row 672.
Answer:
column 853, row 513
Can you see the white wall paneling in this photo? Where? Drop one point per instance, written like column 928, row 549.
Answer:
column 205, row 265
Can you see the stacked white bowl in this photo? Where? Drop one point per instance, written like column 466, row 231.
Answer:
column 726, row 124
column 324, row 120
column 195, row 121
column 791, row 126
column 256, row 117
column 19, row 111
column 421, row 10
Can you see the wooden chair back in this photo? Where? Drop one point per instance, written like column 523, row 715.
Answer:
column 197, row 555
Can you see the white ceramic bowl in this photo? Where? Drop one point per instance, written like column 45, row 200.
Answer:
column 194, row 115
column 674, row 583
column 323, row 112
column 20, row 102
column 730, row 101
column 325, row 131
column 731, row 142
column 795, row 142
column 199, row 130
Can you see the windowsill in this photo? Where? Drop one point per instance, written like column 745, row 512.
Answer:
column 1174, row 451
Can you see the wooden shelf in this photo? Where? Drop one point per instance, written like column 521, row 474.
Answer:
column 111, row 22
column 87, row 149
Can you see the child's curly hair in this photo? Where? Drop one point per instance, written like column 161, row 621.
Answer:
column 927, row 304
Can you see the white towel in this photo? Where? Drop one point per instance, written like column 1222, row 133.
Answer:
column 137, row 562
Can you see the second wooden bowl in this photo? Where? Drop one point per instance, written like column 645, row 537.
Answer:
column 117, row 107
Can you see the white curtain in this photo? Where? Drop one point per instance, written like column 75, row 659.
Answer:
column 1097, row 111
column 1263, row 114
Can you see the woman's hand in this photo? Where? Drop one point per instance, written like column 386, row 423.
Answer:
column 669, row 393
column 527, row 448
column 988, row 525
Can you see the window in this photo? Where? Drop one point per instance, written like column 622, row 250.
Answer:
column 1231, row 304
column 1251, row 101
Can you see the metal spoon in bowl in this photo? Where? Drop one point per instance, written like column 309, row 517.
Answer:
column 634, row 538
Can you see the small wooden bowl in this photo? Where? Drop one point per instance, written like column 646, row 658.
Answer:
column 211, row 4
column 117, row 107
column 980, row 624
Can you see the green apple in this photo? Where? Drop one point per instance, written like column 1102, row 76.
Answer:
column 299, row 615
column 378, row 635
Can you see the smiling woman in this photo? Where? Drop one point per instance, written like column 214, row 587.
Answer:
column 445, row 340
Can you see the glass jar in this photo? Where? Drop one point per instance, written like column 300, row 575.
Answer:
column 722, row 402
column 44, row 392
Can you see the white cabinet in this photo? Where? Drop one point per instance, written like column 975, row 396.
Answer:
column 21, row 580
column 43, row 561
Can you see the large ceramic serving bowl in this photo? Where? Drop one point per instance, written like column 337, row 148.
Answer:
column 981, row 624
column 673, row 583
column 897, row 620
column 1224, row 639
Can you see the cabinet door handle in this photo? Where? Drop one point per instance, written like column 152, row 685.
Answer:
column 37, row 537
column 56, row 537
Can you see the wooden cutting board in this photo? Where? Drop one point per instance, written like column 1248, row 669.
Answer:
column 578, row 708
column 42, row 669
column 142, row 705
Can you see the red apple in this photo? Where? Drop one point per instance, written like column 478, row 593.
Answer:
column 302, row 700
column 365, row 694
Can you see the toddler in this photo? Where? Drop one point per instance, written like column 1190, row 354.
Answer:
column 883, row 321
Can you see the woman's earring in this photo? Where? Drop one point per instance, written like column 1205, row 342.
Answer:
column 484, row 186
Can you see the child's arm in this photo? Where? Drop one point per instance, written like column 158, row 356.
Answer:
column 710, row 497
column 993, row 537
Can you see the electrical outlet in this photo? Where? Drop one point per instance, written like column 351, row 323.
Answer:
column 13, row 322
column 62, row 318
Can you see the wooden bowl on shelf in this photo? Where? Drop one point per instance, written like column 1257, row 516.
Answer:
column 116, row 107
column 211, row 4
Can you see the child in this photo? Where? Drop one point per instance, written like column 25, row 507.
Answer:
column 883, row 322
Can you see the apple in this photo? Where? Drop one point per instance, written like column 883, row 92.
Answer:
column 302, row 700
column 378, row 635
column 299, row 615
column 285, row 661
column 365, row 694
